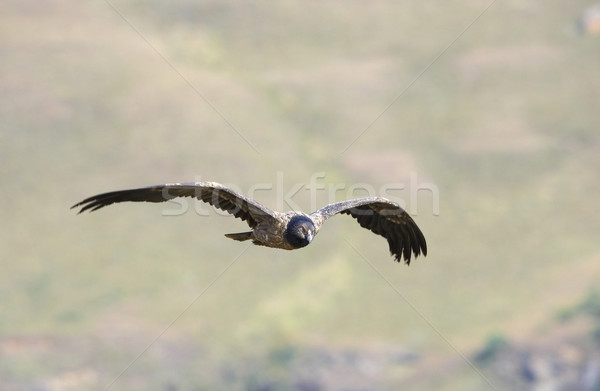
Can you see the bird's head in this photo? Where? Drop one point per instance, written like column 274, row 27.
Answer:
column 300, row 231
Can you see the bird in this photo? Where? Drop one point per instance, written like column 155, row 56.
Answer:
column 283, row 230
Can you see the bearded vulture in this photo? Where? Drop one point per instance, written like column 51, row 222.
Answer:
column 289, row 230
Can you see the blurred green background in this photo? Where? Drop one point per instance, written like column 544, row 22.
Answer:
column 505, row 123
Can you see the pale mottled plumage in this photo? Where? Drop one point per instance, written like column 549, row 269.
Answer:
column 290, row 230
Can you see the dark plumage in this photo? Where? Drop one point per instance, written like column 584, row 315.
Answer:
column 300, row 231
column 289, row 230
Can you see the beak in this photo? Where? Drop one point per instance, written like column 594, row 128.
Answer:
column 309, row 236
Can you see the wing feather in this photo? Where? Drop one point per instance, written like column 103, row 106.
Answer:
column 213, row 193
column 382, row 217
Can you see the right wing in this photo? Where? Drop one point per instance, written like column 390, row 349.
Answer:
column 217, row 195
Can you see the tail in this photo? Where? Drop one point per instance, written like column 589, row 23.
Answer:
column 240, row 236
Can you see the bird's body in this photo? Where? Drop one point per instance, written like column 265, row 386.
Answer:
column 289, row 230
column 265, row 233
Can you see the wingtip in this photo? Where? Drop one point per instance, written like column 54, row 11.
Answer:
column 414, row 253
column 82, row 205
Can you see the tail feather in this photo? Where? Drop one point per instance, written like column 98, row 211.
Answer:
column 241, row 236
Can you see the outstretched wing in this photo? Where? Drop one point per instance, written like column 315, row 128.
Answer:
column 213, row 193
column 383, row 217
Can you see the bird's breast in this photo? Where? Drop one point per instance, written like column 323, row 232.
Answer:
column 271, row 235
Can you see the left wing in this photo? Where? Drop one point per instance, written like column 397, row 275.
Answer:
column 383, row 217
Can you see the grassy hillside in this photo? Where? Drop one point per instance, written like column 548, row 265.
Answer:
column 504, row 124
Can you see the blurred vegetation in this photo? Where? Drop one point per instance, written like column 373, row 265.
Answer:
column 504, row 123
column 494, row 344
column 590, row 305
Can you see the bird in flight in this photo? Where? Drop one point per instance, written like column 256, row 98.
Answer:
column 289, row 230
